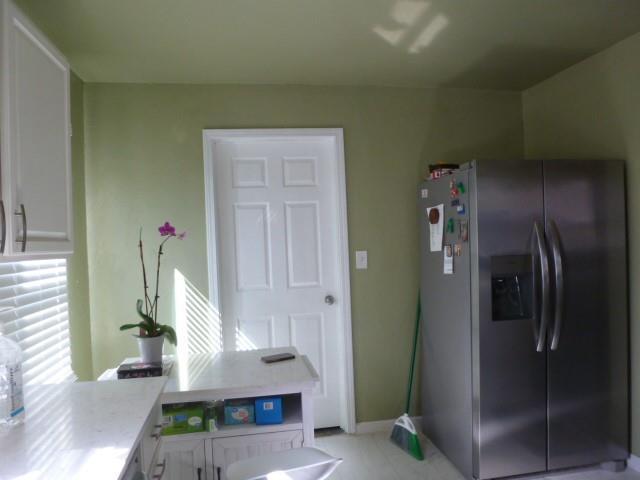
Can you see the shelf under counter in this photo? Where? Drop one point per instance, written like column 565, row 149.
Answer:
column 292, row 420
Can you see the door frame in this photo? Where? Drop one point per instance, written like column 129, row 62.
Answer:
column 335, row 135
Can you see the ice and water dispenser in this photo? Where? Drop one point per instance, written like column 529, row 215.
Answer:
column 512, row 287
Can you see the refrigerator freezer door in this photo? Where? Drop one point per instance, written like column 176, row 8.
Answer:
column 509, row 374
column 446, row 329
column 587, row 356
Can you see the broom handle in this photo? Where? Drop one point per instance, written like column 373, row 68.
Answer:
column 413, row 355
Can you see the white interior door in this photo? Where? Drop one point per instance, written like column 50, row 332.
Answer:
column 280, row 261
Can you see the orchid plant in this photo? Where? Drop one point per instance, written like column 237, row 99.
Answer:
column 148, row 308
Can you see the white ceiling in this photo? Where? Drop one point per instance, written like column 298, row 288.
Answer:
column 497, row 44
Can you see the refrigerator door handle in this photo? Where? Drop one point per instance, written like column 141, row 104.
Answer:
column 537, row 241
column 554, row 239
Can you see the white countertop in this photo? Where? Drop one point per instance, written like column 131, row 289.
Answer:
column 232, row 374
column 236, row 373
column 84, row 430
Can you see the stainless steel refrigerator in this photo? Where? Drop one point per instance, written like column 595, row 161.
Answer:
column 525, row 338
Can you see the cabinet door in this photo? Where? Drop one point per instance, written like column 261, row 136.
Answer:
column 149, row 443
column 185, row 460
column 132, row 471
column 231, row 449
column 36, row 157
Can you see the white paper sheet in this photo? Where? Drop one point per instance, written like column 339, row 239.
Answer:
column 436, row 230
column 448, row 260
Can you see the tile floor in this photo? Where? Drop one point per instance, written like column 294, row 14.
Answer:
column 373, row 457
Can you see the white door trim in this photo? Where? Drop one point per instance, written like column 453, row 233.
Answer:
column 210, row 137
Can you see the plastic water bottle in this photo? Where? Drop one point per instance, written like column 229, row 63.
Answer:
column 11, row 395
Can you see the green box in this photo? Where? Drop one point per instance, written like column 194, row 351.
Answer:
column 178, row 418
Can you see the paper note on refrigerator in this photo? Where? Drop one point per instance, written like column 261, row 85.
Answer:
column 436, row 227
column 448, row 260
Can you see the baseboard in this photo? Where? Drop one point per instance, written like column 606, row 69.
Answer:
column 363, row 428
column 634, row 462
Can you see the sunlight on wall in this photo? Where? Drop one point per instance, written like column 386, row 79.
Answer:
column 198, row 322
column 198, row 328
column 192, row 368
column 243, row 342
column 409, row 14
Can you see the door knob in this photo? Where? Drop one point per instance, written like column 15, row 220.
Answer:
column 329, row 300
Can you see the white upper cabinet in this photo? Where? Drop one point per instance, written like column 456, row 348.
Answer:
column 36, row 147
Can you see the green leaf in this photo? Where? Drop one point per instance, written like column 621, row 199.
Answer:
column 129, row 326
column 169, row 332
column 147, row 319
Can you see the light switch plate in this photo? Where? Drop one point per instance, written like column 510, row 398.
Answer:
column 361, row 260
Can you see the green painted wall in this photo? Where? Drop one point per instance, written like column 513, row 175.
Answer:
column 78, row 275
column 592, row 110
column 144, row 165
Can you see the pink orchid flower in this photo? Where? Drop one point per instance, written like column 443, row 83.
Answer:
column 182, row 235
column 167, row 230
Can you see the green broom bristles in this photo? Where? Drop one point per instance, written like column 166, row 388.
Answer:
column 405, row 436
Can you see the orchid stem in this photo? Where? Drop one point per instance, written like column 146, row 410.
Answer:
column 154, row 305
column 147, row 301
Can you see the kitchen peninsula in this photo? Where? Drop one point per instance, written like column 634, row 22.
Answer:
column 110, row 429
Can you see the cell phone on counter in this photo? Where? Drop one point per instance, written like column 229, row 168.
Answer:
column 278, row 357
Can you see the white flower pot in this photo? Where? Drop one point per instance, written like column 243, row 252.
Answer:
column 150, row 348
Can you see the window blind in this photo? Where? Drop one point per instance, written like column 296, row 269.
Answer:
column 34, row 313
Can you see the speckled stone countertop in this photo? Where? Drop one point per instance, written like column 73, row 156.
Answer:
column 83, row 430
column 230, row 374
column 236, row 372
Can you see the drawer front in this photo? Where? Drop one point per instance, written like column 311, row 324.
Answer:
column 182, row 460
column 151, row 438
column 231, row 449
column 131, row 472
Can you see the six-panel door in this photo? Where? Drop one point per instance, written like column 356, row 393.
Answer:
column 278, row 254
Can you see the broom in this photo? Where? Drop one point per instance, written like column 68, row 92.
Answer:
column 404, row 433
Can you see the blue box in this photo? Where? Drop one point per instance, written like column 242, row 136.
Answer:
column 268, row 410
column 238, row 413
